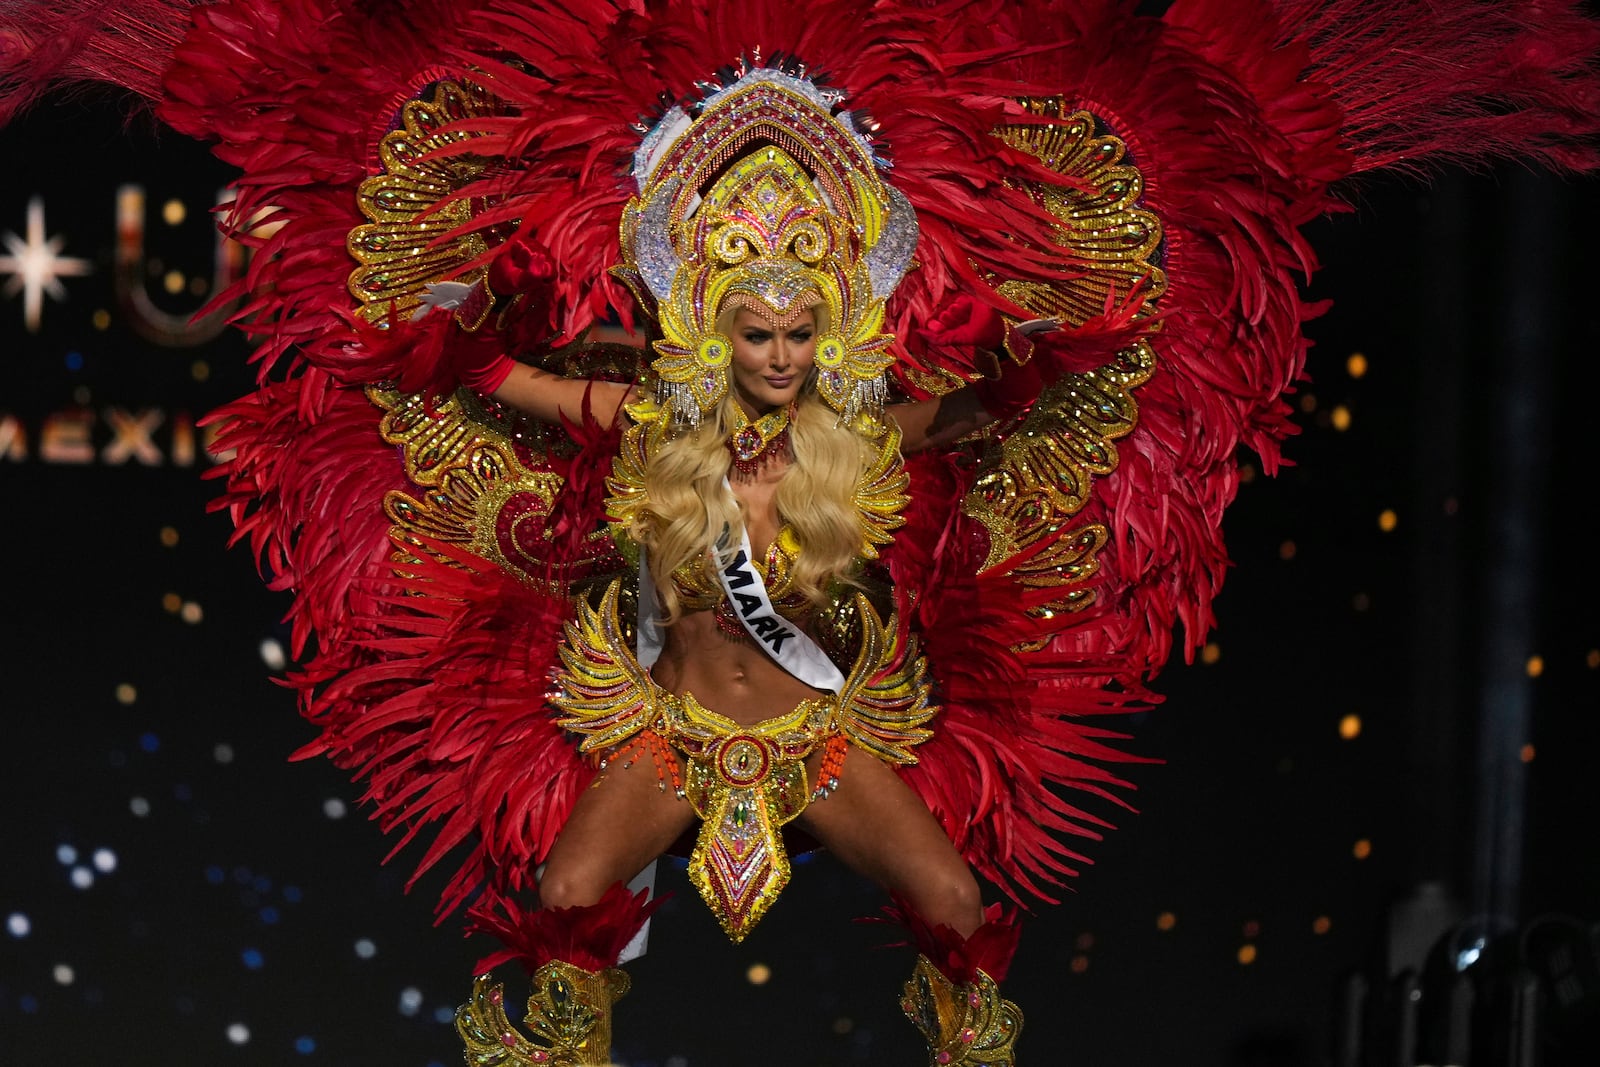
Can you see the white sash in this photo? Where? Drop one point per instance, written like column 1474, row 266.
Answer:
column 789, row 646
column 648, row 638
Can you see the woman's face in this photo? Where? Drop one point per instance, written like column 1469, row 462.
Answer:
column 770, row 366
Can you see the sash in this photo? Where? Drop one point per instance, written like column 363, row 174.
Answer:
column 789, row 646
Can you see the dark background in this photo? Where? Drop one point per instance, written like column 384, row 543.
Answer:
column 239, row 912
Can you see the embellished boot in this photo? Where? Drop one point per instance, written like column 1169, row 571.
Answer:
column 952, row 995
column 569, row 1017
column 969, row 1023
column 569, row 953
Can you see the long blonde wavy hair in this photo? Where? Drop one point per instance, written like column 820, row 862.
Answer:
column 686, row 505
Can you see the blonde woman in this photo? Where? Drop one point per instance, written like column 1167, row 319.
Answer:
column 872, row 821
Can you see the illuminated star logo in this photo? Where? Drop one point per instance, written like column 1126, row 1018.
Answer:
column 36, row 267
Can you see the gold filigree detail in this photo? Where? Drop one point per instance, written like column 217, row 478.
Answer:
column 745, row 782
column 965, row 1025
column 1037, row 474
column 569, row 1016
column 482, row 472
column 465, row 475
column 765, row 199
column 399, row 248
column 1105, row 227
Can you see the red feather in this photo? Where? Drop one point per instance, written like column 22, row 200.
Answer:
column 989, row 949
column 589, row 937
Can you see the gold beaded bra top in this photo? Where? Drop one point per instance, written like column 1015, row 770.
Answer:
column 699, row 588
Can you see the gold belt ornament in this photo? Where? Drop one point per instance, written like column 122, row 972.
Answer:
column 745, row 783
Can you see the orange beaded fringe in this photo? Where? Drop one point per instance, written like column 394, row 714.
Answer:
column 661, row 753
column 832, row 765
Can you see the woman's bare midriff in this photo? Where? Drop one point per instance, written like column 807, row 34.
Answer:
column 730, row 677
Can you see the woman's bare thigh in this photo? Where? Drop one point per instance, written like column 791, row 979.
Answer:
column 622, row 821
column 879, row 828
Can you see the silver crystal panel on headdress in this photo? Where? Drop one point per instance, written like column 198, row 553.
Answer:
column 658, row 260
column 889, row 259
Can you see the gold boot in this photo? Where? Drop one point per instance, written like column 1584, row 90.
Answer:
column 569, row 1015
column 966, row 1024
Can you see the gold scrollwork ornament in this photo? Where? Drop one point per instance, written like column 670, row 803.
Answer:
column 569, row 1016
column 1038, row 474
column 965, row 1025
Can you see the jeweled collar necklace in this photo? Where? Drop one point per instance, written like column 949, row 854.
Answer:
column 755, row 444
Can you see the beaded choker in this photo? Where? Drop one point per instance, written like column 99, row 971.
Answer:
column 754, row 444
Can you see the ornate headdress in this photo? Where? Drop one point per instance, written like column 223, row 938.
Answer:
column 765, row 198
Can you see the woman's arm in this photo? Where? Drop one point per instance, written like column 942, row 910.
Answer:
column 552, row 398
column 930, row 423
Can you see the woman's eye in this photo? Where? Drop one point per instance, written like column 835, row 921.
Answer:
column 757, row 338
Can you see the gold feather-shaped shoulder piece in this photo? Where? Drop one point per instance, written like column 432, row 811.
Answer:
column 482, row 479
column 884, row 707
column 602, row 692
column 485, row 478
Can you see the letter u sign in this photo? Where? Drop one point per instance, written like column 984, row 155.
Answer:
column 149, row 321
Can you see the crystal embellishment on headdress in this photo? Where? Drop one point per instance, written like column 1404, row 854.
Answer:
column 769, row 201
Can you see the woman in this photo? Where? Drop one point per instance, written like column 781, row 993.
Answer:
column 758, row 476
column 871, row 821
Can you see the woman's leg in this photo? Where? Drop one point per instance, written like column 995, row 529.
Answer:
column 878, row 827
column 622, row 822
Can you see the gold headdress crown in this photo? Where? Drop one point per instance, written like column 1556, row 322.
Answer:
column 766, row 198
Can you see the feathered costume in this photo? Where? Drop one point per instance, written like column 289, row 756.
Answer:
column 1140, row 179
